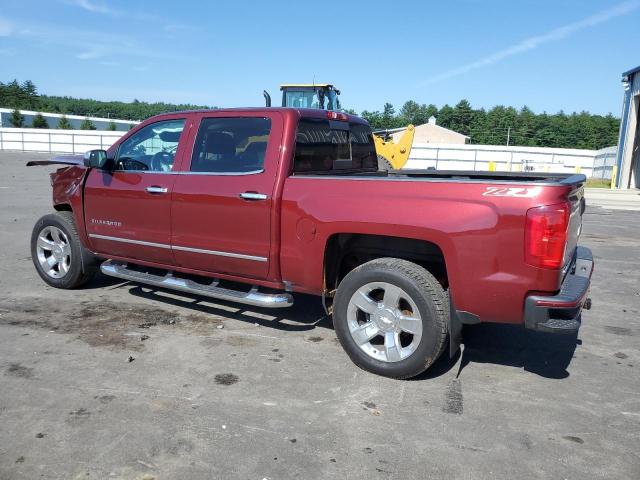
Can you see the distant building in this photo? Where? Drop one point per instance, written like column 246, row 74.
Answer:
column 628, row 157
column 74, row 120
column 432, row 133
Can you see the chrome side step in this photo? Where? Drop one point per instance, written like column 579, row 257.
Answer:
column 252, row 297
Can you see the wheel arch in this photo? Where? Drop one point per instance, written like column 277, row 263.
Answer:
column 345, row 251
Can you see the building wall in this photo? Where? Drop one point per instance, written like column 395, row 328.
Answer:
column 429, row 133
column 603, row 163
column 629, row 142
column 75, row 120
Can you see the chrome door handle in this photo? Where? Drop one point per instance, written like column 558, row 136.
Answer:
column 253, row 196
column 155, row 189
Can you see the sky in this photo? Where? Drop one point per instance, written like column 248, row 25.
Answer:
column 548, row 55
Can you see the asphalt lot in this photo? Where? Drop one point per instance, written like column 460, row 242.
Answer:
column 272, row 395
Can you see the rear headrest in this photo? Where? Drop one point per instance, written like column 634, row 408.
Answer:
column 220, row 144
column 168, row 136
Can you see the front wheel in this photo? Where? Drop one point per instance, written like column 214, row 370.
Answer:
column 391, row 317
column 56, row 251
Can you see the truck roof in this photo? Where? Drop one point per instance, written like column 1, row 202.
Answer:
column 299, row 112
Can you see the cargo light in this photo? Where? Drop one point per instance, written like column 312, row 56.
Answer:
column 546, row 235
column 337, row 116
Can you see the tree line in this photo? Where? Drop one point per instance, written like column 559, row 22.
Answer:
column 506, row 125
column 500, row 125
column 24, row 96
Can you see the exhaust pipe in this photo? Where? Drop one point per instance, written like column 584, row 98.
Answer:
column 267, row 98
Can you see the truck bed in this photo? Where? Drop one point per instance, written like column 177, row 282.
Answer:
column 533, row 177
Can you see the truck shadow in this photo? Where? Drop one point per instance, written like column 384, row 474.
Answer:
column 306, row 313
column 544, row 354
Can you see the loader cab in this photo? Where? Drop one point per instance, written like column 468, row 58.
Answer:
column 323, row 96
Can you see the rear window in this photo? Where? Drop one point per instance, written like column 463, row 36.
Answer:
column 231, row 145
column 324, row 146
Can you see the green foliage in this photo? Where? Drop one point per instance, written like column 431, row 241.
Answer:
column 21, row 96
column 39, row 121
column 87, row 125
column 25, row 96
column 63, row 123
column 17, row 119
column 112, row 126
column 598, row 183
column 492, row 127
column 523, row 127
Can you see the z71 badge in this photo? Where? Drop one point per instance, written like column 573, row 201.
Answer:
column 525, row 192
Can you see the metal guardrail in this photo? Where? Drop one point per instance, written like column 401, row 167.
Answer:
column 55, row 142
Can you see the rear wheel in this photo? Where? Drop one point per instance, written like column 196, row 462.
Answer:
column 56, row 251
column 391, row 317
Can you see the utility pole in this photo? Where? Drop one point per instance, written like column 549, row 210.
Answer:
column 508, row 135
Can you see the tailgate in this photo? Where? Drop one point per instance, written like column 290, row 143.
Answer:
column 577, row 203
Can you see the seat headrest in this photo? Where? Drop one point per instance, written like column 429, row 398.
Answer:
column 220, row 144
column 169, row 136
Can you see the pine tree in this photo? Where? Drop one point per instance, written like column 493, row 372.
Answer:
column 39, row 121
column 17, row 119
column 29, row 94
column 63, row 123
column 87, row 125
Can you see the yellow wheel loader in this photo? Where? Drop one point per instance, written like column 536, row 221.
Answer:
column 391, row 155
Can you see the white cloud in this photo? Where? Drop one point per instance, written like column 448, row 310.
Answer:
column 92, row 54
column 100, row 45
column 91, row 6
column 534, row 42
column 6, row 28
column 104, row 9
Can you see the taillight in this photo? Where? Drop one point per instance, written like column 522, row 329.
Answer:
column 331, row 115
column 546, row 235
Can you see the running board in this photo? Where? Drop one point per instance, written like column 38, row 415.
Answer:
column 252, row 297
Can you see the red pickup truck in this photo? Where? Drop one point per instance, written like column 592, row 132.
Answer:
column 289, row 200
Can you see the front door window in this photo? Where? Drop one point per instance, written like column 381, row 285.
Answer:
column 153, row 148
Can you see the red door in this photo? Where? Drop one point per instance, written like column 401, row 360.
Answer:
column 128, row 210
column 221, row 207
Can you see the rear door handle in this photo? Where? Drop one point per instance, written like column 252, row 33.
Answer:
column 253, row 196
column 156, row 189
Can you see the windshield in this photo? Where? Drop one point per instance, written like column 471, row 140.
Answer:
column 311, row 98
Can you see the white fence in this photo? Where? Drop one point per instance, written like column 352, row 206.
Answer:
column 501, row 158
column 56, row 141
column 423, row 155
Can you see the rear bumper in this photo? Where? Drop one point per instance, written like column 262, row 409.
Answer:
column 561, row 313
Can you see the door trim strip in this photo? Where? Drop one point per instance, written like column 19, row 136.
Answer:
column 183, row 249
column 128, row 240
column 219, row 253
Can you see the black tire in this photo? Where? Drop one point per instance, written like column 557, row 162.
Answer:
column 83, row 265
column 429, row 297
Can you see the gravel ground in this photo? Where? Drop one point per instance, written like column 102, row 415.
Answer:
column 272, row 395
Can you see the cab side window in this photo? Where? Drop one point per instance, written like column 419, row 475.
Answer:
column 152, row 148
column 231, row 145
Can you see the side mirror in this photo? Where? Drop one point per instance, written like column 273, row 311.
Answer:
column 95, row 158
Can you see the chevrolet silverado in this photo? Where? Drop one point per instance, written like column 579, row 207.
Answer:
column 285, row 200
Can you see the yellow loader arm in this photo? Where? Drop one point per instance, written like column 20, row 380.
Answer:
column 396, row 154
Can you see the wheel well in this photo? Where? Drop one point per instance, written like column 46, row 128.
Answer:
column 346, row 251
column 62, row 207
